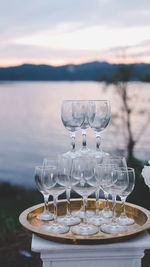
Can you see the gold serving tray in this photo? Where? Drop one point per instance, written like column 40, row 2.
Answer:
column 140, row 215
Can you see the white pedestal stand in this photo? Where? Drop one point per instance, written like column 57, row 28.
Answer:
column 122, row 254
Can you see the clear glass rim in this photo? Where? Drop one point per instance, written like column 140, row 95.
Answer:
column 101, row 100
column 84, row 158
column 118, row 169
column 125, row 169
column 41, row 167
column 74, row 100
column 115, row 157
column 86, row 100
column 106, row 165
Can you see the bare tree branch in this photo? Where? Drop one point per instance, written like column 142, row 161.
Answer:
column 143, row 129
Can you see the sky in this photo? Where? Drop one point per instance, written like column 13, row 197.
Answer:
column 58, row 32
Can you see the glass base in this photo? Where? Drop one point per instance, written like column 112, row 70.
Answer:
column 84, row 151
column 100, row 154
column 84, row 229
column 45, row 216
column 56, row 228
column 69, row 220
column 71, row 154
column 113, row 228
column 106, row 213
column 124, row 220
column 80, row 213
column 97, row 220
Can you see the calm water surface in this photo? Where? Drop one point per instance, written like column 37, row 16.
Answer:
column 31, row 127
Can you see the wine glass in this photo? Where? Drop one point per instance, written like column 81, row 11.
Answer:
column 99, row 113
column 117, row 161
column 51, row 185
column 39, row 175
column 72, row 119
column 114, row 182
column 64, row 178
column 98, row 218
column 85, row 125
column 124, row 219
column 82, row 175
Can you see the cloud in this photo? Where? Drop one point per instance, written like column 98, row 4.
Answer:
column 45, row 53
column 32, row 16
column 22, row 17
column 139, row 50
column 71, row 26
column 37, row 54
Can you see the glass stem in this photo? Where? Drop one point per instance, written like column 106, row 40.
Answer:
column 123, row 199
column 85, row 207
column 113, row 208
column 83, row 139
column 68, row 190
column 106, row 203
column 55, row 208
column 82, row 206
column 73, row 141
column 46, row 197
column 97, row 202
column 98, row 142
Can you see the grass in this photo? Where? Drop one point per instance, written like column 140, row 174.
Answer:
column 13, row 200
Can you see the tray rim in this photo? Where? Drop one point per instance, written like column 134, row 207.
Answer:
column 62, row 238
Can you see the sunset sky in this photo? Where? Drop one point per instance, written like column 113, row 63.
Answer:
column 74, row 31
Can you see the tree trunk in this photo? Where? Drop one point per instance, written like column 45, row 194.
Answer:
column 131, row 142
column 130, row 149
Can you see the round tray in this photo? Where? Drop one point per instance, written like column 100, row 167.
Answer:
column 141, row 216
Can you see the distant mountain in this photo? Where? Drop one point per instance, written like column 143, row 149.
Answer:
column 93, row 71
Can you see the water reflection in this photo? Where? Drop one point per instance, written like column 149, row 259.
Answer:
column 31, row 128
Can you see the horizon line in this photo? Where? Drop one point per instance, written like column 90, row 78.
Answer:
column 76, row 64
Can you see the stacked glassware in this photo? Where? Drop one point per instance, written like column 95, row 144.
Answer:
column 85, row 172
column 82, row 114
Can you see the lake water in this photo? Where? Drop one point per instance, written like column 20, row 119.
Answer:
column 31, row 127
